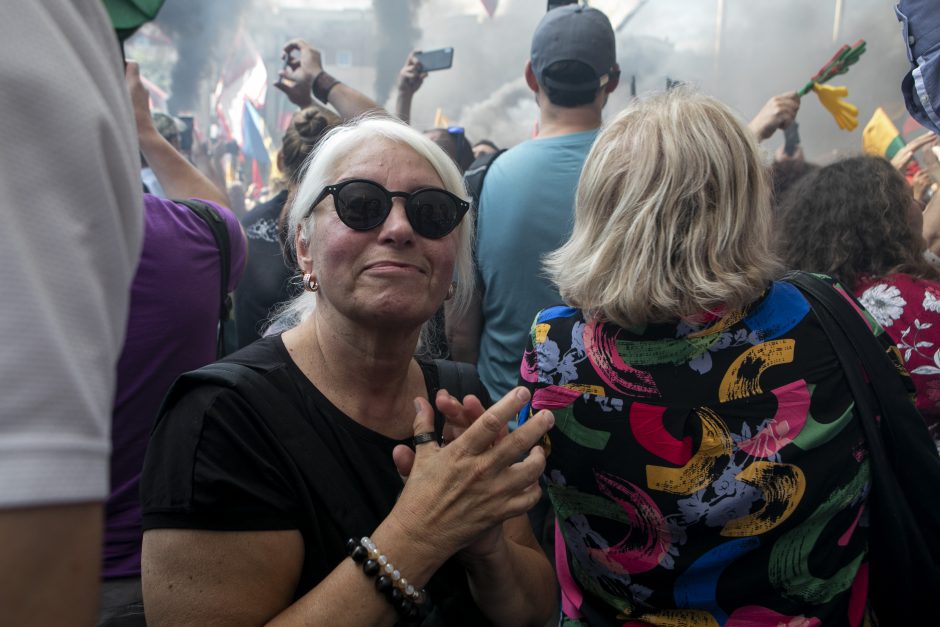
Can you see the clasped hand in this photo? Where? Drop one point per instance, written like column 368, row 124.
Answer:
column 458, row 496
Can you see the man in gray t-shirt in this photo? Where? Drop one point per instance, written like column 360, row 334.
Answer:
column 527, row 202
column 72, row 220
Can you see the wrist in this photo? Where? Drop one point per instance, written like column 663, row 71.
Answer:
column 322, row 85
column 303, row 98
column 148, row 136
column 416, row 556
column 479, row 556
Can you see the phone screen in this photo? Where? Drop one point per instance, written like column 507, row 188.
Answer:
column 554, row 4
column 439, row 59
column 186, row 137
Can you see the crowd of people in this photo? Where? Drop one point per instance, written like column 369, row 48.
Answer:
column 595, row 378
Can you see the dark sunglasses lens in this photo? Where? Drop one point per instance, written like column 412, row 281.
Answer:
column 361, row 206
column 433, row 213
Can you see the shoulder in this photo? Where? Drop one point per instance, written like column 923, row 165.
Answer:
column 218, row 421
column 557, row 325
column 266, row 212
column 184, row 221
column 241, row 379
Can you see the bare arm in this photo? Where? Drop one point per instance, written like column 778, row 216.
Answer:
column 303, row 65
column 513, row 579
column 778, row 112
column 207, row 163
column 409, row 81
column 931, row 228
column 179, row 178
column 51, row 560
column 464, row 331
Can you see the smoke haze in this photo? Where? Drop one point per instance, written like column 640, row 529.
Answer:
column 768, row 47
column 200, row 31
column 398, row 34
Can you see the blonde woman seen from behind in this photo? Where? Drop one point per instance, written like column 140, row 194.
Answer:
column 704, row 449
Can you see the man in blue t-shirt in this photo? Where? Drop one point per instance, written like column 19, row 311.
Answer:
column 526, row 206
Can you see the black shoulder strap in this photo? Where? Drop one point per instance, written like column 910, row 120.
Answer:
column 905, row 467
column 314, row 459
column 459, row 379
column 219, row 231
column 475, row 174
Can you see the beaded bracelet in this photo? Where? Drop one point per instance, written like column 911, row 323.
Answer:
column 407, row 600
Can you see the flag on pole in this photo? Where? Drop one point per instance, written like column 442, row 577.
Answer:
column 244, row 78
column 255, row 136
column 440, row 120
column 881, row 137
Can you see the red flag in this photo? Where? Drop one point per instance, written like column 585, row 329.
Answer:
column 490, row 6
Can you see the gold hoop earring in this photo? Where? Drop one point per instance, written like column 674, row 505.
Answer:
column 310, row 283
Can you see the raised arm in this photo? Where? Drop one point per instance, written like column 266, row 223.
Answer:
column 409, row 81
column 179, row 178
column 303, row 66
column 778, row 112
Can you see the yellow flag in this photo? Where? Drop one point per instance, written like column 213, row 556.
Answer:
column 440, row 120
column 880, row 136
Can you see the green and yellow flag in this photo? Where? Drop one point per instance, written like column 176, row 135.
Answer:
column 881, row 136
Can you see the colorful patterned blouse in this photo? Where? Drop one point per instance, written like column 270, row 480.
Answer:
column 703, row 476
column 909, row 310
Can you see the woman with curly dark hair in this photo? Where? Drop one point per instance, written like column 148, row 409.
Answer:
column 858, row 221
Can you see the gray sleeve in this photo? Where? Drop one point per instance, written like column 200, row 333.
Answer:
column 71, row 211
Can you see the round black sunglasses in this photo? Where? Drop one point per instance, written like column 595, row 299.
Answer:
column 363, row 205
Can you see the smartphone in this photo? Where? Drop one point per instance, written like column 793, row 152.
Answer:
column 791, row 138
column 186, row 137
column 554, row 4
column 439, row 59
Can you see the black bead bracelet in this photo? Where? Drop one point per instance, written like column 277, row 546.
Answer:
column 409, row 602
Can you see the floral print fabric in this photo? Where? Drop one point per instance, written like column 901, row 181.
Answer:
column 909, row 310
column 702, row 474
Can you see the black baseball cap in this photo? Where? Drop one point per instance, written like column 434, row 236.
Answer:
column 574, row 33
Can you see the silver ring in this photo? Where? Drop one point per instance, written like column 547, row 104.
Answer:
column 424, row 438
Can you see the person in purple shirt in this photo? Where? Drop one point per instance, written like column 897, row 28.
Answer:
column 172, row 326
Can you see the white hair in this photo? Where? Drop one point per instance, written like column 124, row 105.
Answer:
column 319, row 170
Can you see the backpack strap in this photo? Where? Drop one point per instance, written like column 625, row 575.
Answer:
column 905, row 469
column 459, row 379
column 220, row 233
column 475, row 174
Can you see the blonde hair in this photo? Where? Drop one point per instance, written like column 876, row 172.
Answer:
column 319, row 170
column 672, row 216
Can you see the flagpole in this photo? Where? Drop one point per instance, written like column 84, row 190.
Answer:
column 837, row 22
column 719, row 20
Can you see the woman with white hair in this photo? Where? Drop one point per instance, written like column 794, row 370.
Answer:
column 272, row 488
column 704, row 468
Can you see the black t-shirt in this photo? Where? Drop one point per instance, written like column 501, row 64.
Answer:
column 216, row 462
column 266, row 280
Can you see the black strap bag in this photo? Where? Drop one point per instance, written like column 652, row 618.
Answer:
column 220, row 233
column 904, row 503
